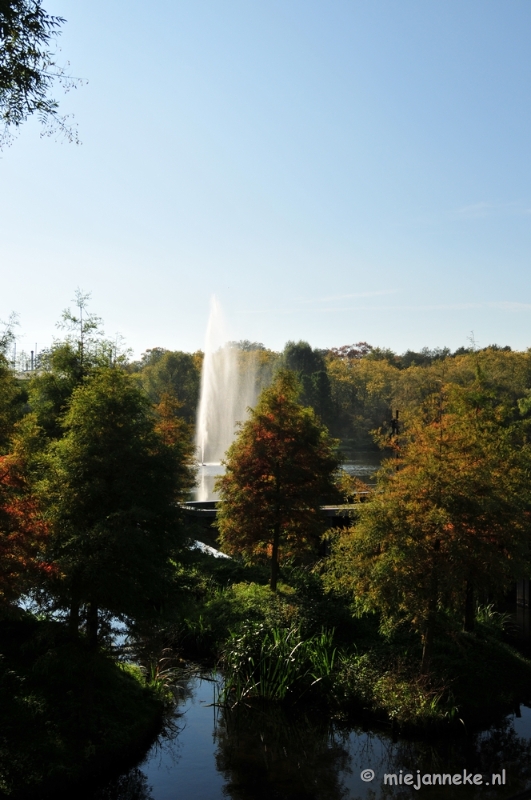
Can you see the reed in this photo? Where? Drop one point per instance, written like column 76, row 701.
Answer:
column 277, row 664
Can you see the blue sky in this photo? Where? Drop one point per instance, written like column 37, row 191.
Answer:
column 333, row 171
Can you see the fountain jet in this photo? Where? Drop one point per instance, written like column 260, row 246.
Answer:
column 228, row 388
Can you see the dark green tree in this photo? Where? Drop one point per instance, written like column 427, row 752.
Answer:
column 278, row 471
column 300, row 358
column 12, row 397
column 68, row 362
column 112, row 491
column 176, row 373
column 310, row 366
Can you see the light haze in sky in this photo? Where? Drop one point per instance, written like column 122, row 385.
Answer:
column 332, row 171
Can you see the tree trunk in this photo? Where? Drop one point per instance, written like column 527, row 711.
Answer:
column 73, row 615
column 92, row 625
column 274, row 558
column 427, row 646
column 429, row 630
column 470, row 608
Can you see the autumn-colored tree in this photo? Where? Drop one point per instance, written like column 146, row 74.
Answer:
column 450, row 516
column 113, row 487
column 277, row 472
column 23, row 532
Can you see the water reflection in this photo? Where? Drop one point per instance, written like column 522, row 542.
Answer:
column 207, row 474
column 487, row 753
column 250, row 754
column 268, row 754
column 131, row 786
column 363, row 464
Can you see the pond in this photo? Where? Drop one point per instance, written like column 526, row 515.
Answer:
column 211, row 753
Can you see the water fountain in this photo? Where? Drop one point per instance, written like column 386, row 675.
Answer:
column 228, row 388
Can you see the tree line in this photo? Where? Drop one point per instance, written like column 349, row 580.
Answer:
column 97, row 456
column 354, row 389
column 92, row 474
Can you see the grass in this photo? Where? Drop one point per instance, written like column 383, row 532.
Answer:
column 260, row 638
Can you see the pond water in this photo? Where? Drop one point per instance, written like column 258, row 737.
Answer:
column 211, row 753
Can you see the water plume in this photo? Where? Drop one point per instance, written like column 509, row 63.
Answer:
column 228, row 388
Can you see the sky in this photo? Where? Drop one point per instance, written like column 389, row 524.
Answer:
column 331, row 170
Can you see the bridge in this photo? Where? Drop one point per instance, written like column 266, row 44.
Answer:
column 338, row 515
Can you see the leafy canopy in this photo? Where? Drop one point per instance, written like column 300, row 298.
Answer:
column 277, row 471
column 450, row 514
column 112, row 490
column 28, row 69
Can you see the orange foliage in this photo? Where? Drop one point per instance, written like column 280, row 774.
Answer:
column 22, row 533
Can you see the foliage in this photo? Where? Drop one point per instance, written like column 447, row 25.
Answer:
column 68, row 714
column 362, row 393
column 23, row 532
column 492, row 622
column 113, row 484
column 247, row 345
column 277, row 472
column 11, row 405
column 309, row 365
column 175, row 373
column 449, row 517
column 28, row 69
column 67, row 363
column 10, row 394
column 393, row 687
column 366, row 390
column 349, row 352
column 299, row 357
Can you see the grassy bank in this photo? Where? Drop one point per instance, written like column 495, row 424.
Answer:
column 68, row 714
column 302, row 644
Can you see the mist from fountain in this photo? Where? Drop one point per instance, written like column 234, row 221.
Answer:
column 228, row 388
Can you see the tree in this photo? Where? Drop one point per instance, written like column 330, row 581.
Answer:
column 351, row 352
column 69, row 362
column 310, row 366
column 449, row 519
column 277, row 472
column 176, row 373
column 302, row 359
column 115, row 480
column 23, row 532
column 27, row 67
column 10, row 394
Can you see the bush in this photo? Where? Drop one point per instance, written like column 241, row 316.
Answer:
column 67, row 712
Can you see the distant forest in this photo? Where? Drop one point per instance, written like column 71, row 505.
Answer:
column 355, row 389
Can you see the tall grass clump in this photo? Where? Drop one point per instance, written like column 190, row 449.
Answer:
column 277, row 664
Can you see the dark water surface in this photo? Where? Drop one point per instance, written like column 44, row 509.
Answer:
column 210, row 753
